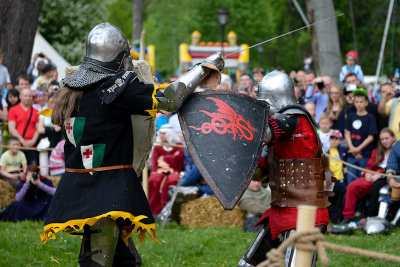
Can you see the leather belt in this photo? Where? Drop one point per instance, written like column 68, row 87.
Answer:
column 116, row 167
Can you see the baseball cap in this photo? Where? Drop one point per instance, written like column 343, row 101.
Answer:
column 336, row 133
column 360, row 91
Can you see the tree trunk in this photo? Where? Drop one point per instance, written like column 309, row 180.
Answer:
column 137, row 19
column 18, row 24
column 324, row 39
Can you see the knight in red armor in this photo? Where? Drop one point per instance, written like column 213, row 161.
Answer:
column 296, row 169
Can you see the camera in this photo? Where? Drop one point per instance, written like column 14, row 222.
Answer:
column 35, row 176
column 321, row 85
column 41, row 54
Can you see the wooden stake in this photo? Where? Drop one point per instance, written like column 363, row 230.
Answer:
column 305, row 221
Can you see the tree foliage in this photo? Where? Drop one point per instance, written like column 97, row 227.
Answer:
column 65, row 24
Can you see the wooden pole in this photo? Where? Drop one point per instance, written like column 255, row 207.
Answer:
column 305, row 221
column 145, row 180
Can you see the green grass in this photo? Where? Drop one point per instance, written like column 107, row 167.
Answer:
column 179, row 246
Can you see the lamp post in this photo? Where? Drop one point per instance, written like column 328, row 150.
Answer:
column 260, row 50
column 223, row 16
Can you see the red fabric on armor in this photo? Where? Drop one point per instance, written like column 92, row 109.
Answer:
column 298, row 147
column 285, row 219
column 295, row 147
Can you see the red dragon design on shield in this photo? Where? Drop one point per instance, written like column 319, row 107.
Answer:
column 227, row 121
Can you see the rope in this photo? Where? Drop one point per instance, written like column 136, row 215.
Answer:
column 361, row 169
column 314, row 241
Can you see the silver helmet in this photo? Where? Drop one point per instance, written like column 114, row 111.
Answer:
column 107, row 53
column 277, row 90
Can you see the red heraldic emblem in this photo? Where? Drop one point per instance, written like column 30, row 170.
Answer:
column 224, row 132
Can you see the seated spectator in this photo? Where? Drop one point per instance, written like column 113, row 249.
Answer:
column 40, row 97
column 166, row 163
column 46, row 128
column 39, row 59
column 324, row 131
column 193, row 177
column 57, row 163
column 335, row 104
column 351, row 67
column 369, row 183
column 255, row 201
column 12, row 99
column 163, row 119
column 33, row 198
column 13, row 163
column 258, row 74
column 53, row 87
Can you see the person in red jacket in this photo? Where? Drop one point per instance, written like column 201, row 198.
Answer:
column 296, row 168
column 369, row 183
column 166, row 163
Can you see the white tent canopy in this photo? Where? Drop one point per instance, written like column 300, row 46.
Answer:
column 40, row 45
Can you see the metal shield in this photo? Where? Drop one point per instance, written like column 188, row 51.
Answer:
column 224, row 132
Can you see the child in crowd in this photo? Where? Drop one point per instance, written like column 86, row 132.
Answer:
column 335, row 165
column 13, row 163
column 351, row 66
column 325, row 124
column 359, row 133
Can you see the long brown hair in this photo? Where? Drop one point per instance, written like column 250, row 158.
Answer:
column 65, row 102
column 380, row 150
column 341, row 99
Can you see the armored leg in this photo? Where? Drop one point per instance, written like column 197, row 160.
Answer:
column 263, row 243
column 126, row 256
column 98, row 244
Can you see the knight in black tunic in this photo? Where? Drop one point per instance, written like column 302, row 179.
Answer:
column 99, row 191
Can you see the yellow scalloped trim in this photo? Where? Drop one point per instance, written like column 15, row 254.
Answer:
column 153, row 110
column 50, row 230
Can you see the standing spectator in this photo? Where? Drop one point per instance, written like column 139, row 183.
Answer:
column 359, row 133
column 320, row 98
column 46, row 76
column 163, row 119
column 335, row 165
column 351, row 67
column 246, row 84
column 369, row 183
column 389, row 106
column 310, row 107
column 12, row 99
column 46, row 127
column 33, row 198
column 23, row 81
column 5, row 81
column 23, row 122
column 13, row 163
column 335, row 104
column 166, row 163
column 40, row 58
column 324, row 132
column 258, row 74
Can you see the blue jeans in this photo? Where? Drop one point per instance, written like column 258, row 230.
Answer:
column 353, row 174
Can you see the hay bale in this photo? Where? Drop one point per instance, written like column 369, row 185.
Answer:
column 7, row 194
column 209, row 212
column 54, row 179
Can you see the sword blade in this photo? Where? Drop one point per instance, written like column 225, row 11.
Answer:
column 279, row 36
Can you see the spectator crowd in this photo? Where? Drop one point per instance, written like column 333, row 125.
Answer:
column 358, row 124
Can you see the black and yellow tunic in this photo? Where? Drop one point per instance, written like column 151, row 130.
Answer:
column 100, row 135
